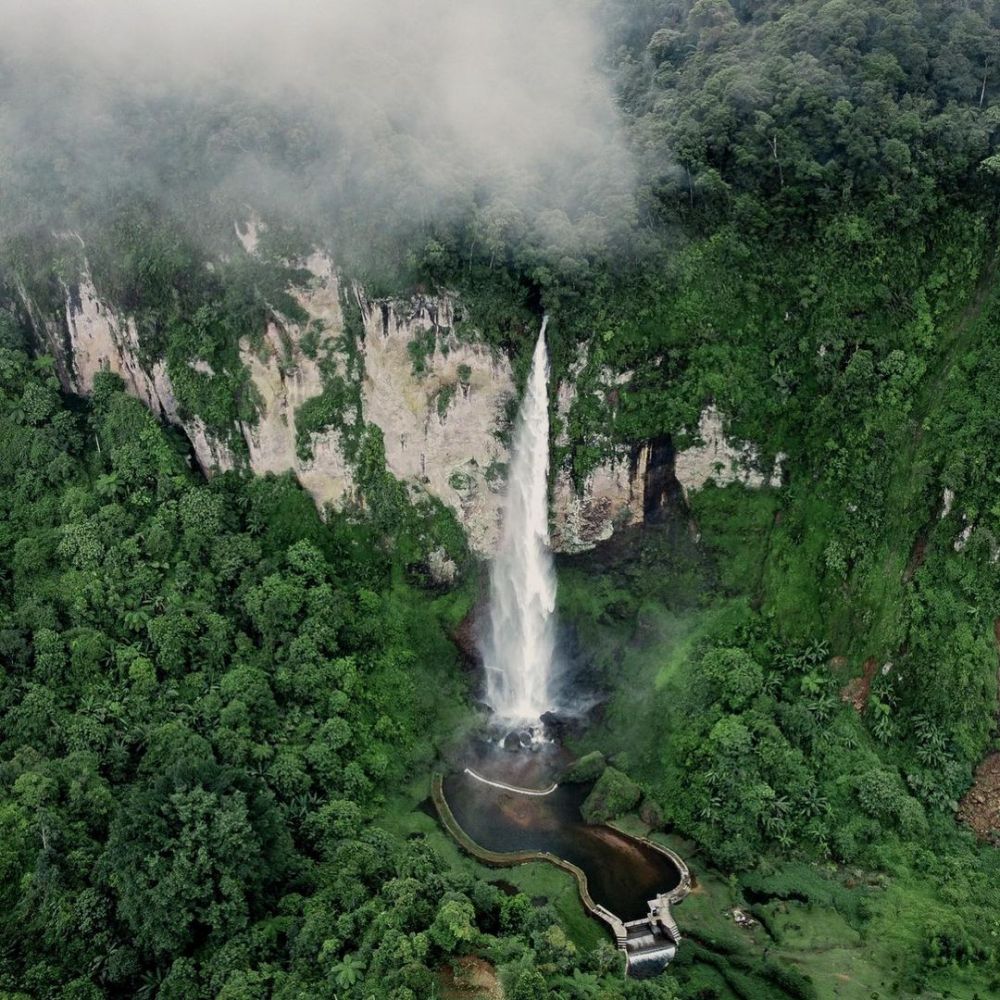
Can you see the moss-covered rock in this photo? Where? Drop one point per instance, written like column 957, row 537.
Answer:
column 651, row 813
column 588, row 768
column 614, row 794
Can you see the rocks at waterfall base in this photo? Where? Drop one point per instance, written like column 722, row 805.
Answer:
column 515, row 742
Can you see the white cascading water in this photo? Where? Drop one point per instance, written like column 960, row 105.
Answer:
column 519, row 652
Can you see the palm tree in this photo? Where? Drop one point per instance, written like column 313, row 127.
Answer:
column 107, row 485
column 813, row 682
column 822, row 706
column 711, row 810
column 584, row 985
column 932, row 750
column 347, row 972
column 136, row 619
column 817, row 651
column 882, row 726
column 774, row 824
column 152, row 980
column 814, row 804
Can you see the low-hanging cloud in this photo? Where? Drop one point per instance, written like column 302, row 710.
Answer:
column 408, row 110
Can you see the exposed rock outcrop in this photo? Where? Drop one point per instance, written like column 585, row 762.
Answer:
column 611, row 498
column 285, row 376
column 440, row 401
column 720, row 461
column 612, row 494
column 89, row 337
column 980, row 806
column 441, row 405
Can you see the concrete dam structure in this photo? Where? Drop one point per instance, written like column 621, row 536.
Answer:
column 629, row 883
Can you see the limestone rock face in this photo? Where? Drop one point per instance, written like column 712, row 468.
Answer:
column 720, row 461
column 102, row 340
column 611, row 497
column 211, row 453
column 92, row 338
column 441, row 425
column 285, row 376
column 441, row 411
column 441, row 403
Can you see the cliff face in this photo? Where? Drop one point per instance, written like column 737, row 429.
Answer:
column 611, row 496
column 285, row 377
column 89, row 337
column 440, row 402
column 442, row 423
column 719, row 460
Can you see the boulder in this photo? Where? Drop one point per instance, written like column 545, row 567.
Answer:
column 614, row 795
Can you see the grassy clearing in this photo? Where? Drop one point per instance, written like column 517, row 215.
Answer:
column 849, row 956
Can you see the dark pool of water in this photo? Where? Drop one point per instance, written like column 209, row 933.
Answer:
column 623, row 874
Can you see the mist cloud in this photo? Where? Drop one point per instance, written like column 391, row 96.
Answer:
column 407, row 110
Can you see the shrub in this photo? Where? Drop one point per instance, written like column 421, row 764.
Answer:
column 614, row 794
column 588, row 768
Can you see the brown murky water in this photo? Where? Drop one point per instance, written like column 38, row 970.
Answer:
column 623, row 874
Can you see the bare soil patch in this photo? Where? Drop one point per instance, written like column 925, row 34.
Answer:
column 855, row 691
column 470, row 978
column 980, row 808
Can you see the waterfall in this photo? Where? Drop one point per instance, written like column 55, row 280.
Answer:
column 519, row 651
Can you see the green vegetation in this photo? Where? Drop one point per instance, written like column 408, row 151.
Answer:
column 613, row 795
column 853, row 868
column 207, row 699
column 338, row 406
column 443, row 399
column 421, row 348
column 588, row 768
column 214, row 704
column 324, row 411
column 205, row 694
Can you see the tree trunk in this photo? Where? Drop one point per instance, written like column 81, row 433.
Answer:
column 774, row 152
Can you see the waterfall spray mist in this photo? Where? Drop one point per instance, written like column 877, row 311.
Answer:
column 519, row 651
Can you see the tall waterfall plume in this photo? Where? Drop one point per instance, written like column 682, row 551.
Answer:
column 519, row 652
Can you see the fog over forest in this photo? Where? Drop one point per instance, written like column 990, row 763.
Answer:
column 421, row 107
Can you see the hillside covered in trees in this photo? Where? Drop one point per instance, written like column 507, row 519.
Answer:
column 219, row 709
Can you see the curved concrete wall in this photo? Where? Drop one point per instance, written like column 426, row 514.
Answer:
column 660, row 913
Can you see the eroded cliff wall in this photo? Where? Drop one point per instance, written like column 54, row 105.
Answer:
column 441, row 402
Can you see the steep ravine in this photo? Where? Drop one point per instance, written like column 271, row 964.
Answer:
column 441, row 404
